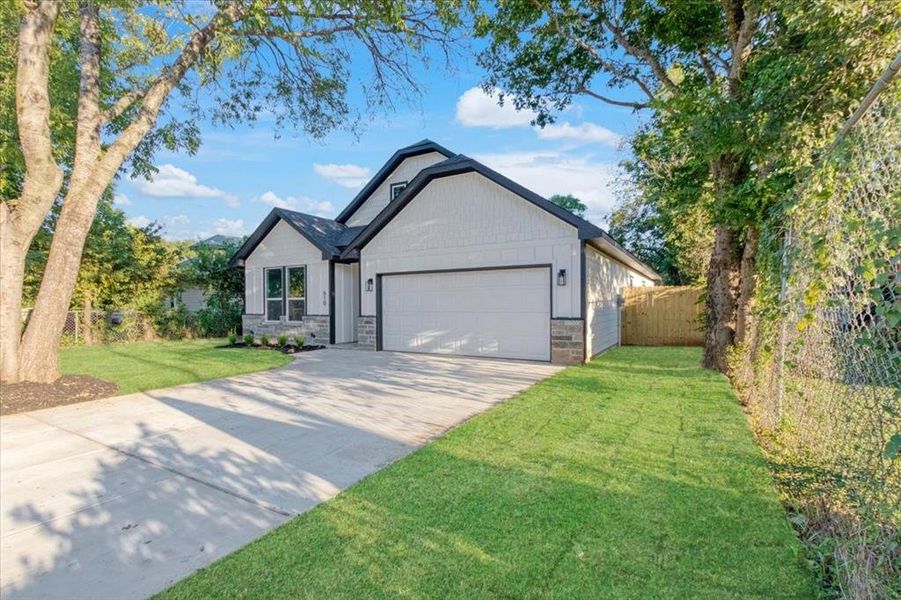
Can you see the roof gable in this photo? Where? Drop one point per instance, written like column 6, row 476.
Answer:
column 422, row 147
column 327, row 235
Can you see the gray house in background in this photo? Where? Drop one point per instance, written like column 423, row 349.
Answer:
column 194, row 298
column 440, row 254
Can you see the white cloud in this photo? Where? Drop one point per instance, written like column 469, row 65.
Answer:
column 552, row 172
column 233, row 227
column 348, row 175
column 475, row 108
column 584, row 132
column 176, row 220
column 121, row 200
column 320, row 208
column 173, row 182
column 140, row 221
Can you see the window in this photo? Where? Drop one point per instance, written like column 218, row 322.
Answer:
column 274, row 297
column 297, row 293
column 397, row 188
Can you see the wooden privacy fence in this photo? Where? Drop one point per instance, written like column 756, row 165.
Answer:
column 662, row 316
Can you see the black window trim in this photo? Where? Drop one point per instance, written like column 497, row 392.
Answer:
column 401, row 184
column 266, row 294
column 306, row 270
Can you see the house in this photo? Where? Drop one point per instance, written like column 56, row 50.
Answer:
column 193, row 296
column 438, row 253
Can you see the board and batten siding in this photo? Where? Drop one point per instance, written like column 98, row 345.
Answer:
column 405, row 171
column 605, row 280
column 284, row 247
column 468, row 221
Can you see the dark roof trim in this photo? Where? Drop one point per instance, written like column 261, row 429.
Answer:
column 421, row 147
column 274, row 216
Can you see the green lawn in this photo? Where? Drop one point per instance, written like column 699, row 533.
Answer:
column 150, row 365
column 633, row 477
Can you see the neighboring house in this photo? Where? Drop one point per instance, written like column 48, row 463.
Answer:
column 193, row 297
column 440, row 254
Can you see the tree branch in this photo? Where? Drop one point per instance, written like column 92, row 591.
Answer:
column 157, row 93
column 87, row 132
column 602, row 61
column 33, row 117
column 641, row 54
column 122, row 104
column 709, row 71
column 626, row 103
column 742, row 24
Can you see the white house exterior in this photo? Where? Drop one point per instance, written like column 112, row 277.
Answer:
column 440, row 254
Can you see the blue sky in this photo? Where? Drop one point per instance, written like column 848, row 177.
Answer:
column 239, row 174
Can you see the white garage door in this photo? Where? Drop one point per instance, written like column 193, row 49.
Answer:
column 503, row 313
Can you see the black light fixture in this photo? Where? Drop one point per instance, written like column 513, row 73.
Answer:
column 561, row 277
column 369, row 284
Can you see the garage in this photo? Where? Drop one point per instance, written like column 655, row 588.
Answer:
column 497, row 312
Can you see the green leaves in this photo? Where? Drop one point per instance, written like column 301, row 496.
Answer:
column 893, row 447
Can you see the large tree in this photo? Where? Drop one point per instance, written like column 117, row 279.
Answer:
column 739, row 92
column 101, row 83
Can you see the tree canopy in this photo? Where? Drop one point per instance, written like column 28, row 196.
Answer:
column 99, row 85
column 570, row 203
column 740, row 96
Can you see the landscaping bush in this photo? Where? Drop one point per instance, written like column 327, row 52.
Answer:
column 219, row 316
column 232, row 337
column 248, row 339
column 299, row 341
column 282, row 340
column 264, row 340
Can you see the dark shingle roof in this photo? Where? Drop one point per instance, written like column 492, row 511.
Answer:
column 329, row 236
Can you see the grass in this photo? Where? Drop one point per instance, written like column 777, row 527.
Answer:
column 150, row 365
column 635, row 476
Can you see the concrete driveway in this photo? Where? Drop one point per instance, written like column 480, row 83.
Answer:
column 119, row 498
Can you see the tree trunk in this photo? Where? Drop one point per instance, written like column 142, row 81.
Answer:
column 87, row 319
column 39, row 356
column 722, row 291
column 12, row 273
column 747, row 287
column 21, row 218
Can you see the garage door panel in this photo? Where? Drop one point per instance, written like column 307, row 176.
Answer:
column 502, row 313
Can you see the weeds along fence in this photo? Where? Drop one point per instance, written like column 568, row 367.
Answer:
column 822, row 377
column 106, row 327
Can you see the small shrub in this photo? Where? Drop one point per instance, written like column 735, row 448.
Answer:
column 248, row 339
column 299, row 341
column 282, row 340
column 264, row 340
column 232, row 337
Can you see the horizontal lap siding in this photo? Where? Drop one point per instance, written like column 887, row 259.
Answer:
column 605, row 279
column 282, row 247
column 467, row 221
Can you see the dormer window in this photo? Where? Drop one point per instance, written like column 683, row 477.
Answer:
column 397, row 188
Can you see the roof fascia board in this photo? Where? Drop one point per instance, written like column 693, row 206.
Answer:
column 398, row 157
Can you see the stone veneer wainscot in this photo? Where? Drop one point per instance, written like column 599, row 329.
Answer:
column 314, row 328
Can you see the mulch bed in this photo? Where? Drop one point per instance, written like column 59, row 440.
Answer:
column 69, row 389
column 289, row 349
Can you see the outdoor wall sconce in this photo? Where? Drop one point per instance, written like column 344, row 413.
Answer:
column 369, row 284
column 561, row 277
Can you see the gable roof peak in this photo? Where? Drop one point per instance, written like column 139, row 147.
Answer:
column 423, row 146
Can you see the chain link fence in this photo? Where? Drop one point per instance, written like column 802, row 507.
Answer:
column 107, row 327
column 824, row 383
